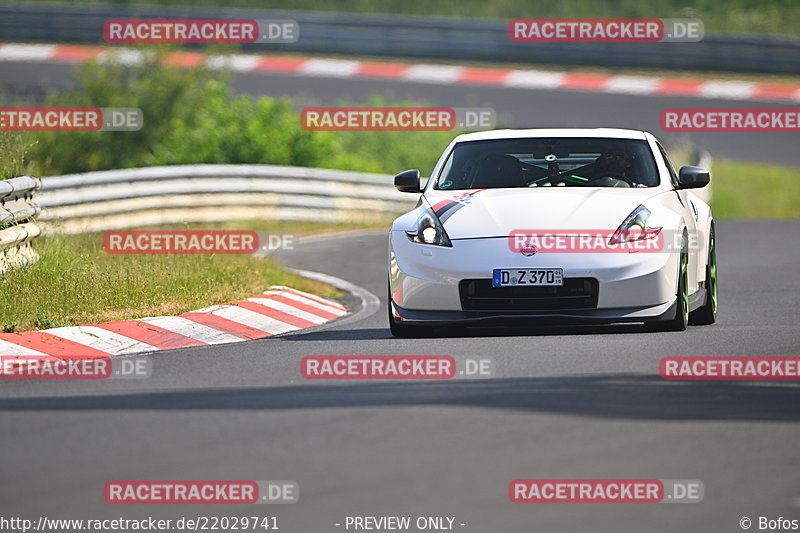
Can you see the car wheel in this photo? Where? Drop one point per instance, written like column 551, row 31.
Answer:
column 707, row 314
column 681, row 319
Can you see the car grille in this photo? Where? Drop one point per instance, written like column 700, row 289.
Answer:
column 576, row 293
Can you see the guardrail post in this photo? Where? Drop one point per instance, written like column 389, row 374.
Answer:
column 18, row 227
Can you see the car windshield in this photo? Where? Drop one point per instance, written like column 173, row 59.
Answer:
column 560, row 162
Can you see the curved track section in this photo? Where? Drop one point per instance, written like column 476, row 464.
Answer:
column 566, row 403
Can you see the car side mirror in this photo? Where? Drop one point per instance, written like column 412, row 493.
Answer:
column 693, row 177
column 408, row 181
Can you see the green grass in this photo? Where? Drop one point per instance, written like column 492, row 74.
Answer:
column 758, row 16
column 754, row 190
column 13, row 146
column 76, row 282
column 748, row 190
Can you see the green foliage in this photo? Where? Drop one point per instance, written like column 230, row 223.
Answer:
column 388, row 151
column 46, row 322
column 191, row 117
column 13, row 147
column 245, row 129
column 166, row 95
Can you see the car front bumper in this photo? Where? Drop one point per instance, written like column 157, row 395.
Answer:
column 424, row 281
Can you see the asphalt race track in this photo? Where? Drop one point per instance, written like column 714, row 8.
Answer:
column 567, row 403
column 515, row 108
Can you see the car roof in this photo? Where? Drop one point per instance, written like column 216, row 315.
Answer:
column 594, row 133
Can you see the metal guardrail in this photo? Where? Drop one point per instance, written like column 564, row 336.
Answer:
column 17, row 225
column 414, row 36
column 117, row 199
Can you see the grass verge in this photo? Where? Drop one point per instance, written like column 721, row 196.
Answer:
column 13, row 146
column 748, row 190
column 76, row 282
column 754, row 190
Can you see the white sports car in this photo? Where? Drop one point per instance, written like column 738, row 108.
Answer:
column 530, row 227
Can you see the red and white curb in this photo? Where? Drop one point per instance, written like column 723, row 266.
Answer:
column 276, row 311
column 434, row 74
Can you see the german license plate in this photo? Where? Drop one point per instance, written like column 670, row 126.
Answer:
column 531, row 277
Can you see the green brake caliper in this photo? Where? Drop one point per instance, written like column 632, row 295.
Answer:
column 713, row 271
column 684, row 278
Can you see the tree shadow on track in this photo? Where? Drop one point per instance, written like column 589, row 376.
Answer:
column 609, row 396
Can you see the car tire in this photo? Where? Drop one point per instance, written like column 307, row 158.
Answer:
column 707, row 314
column 681, row 319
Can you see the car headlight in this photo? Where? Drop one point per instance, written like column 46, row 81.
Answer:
column 634, row 227
column 429, row 230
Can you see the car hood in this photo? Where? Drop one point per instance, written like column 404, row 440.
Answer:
column 498, row 212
